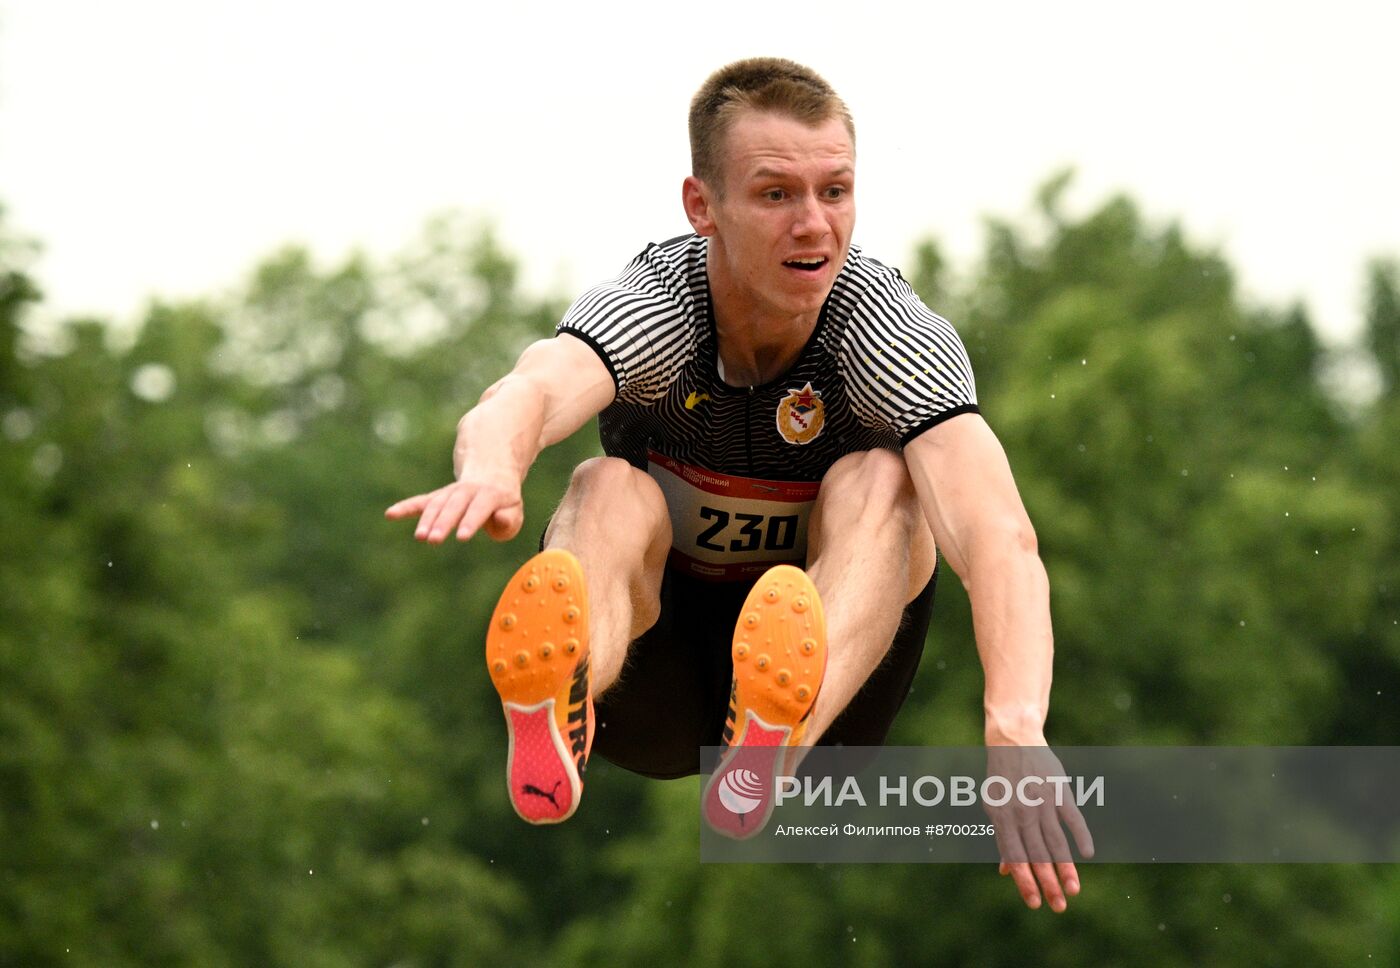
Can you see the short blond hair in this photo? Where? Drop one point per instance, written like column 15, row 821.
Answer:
column 761, row 84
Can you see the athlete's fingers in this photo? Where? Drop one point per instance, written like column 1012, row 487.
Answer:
column 1069, row 877
column 449, row 513
column 1025, row 883
column 476, row 513
column 1073, row 819
column 1013, row 862
column 1055, row 842
column 505, row 523
column 1044, row 870
column 1050, row 886
column 1009, row 841
column 408, row 507
column 1059, row 851
column 434, row 512
column 430, row 513
column 484, row 503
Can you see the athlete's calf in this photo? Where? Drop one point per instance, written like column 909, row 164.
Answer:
column 613, row 518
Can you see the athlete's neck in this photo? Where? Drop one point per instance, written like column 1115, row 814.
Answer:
column 757, row 344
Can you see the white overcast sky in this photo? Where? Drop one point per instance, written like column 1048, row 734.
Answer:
column 163, row 147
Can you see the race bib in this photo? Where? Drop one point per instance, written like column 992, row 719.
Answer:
column 725, row 527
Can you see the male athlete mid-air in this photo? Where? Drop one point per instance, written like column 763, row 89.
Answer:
column 789, row 434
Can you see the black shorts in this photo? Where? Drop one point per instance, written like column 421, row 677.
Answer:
column 673, row 694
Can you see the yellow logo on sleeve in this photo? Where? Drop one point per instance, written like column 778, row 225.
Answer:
column 801, row 415
column 695, row 399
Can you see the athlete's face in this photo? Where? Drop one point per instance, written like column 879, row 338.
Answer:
column 780, row 228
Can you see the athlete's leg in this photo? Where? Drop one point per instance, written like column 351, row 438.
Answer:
column 869, row 553
column 601, row 570
column 613, row 519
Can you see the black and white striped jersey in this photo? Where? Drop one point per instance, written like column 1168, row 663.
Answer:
column 879, row 369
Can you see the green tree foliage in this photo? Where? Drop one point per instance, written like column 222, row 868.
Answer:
column 243, row 720
column 1383, row 321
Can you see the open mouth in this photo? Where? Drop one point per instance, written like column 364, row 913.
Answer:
column 806, row 265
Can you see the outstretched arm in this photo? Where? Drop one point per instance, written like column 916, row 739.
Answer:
column 557, row 385
column 967, row 492
column 970, row 499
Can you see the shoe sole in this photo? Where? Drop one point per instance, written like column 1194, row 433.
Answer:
column 536, row 647
column 779, row 655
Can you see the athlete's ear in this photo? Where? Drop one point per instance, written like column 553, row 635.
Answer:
column 695, row 196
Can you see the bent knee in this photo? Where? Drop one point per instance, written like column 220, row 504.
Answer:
column 611, row 486
column 603, row 472
column 866, row 476
column 861, row 497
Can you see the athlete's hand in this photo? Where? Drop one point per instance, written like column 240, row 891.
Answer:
column 1034, row 852
column 474, row 503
